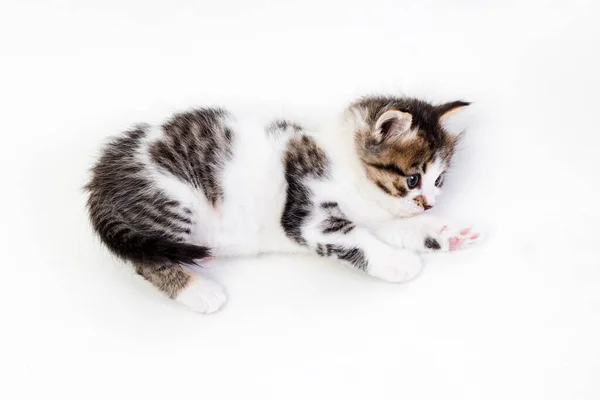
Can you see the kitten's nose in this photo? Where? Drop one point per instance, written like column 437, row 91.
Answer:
column 422, row 202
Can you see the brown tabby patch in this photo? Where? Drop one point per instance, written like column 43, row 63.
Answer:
column 388, row 163
column 303, row 159
column 170, row 279
column 389, row 167
column 196, row 146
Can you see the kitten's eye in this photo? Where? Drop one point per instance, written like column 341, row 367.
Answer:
column 440, row 180
column 413, row 180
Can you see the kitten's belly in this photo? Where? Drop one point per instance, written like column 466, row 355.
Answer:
column 248, row 220
column 250, row 226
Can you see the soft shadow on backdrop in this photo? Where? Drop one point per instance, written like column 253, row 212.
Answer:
column 516, row 318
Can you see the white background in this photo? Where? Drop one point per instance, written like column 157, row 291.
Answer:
column 517, row 318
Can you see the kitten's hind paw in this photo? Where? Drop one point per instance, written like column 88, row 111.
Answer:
column 395, row 266
column 203, row 296
column 448, row 238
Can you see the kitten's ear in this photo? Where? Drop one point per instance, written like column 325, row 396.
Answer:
column 393, row 124
column 445, row 110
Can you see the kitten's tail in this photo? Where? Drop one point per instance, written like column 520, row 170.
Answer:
column 157, row 250
column 152, row 250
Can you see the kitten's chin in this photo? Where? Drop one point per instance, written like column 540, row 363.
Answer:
column 407, row 213
column 408, row 210
column 401, row 208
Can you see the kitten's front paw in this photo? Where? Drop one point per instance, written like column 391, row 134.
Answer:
column 396, row 266
column 203, row 296
column 447, row 238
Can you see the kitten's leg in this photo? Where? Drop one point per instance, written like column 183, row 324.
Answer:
column 334, row 236
column 382, row 260
column 428, row 234
column 186, row 287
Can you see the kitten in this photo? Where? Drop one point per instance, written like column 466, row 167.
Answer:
column 208, row 184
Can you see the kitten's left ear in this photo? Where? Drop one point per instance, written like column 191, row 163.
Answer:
column 445, row 110
column 392, row 125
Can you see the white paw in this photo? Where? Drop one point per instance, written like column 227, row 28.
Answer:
column 203, row 296
column 397, row 266
column 448, row 238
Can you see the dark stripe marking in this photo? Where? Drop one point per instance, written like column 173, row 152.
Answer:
column 401, row 190
column 382, row 187
column 431, row 243
column 389, row 168
column 352, row 255
column 329, row 204
column 337, row 224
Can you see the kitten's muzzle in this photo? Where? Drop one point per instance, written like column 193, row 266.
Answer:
column 422, row 202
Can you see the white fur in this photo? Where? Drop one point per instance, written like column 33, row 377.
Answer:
column 202, row 295
column 389, row 263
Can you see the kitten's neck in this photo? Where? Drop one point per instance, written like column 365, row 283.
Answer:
column 337, row 139
column 348, row 175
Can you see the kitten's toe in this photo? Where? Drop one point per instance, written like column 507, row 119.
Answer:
column 203, row 296
column 472, row 238
column 456, row 239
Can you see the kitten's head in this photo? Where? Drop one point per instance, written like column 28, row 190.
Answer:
column 404, row 149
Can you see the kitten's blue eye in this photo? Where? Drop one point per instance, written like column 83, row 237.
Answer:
column 413, row 180
column 440, row 180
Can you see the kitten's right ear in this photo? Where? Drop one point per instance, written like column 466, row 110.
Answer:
column 392, row 125
column 447, row 109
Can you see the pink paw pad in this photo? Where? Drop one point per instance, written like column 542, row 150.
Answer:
column 465, row 231
column 454, row 243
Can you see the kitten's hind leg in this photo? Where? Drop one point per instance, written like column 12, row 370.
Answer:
column 184, row 286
